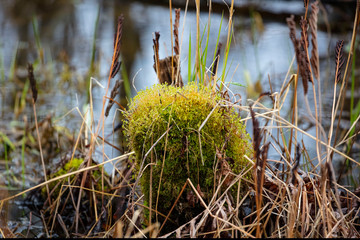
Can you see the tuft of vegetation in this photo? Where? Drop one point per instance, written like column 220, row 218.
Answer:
column 184, row 133
column 71, row 166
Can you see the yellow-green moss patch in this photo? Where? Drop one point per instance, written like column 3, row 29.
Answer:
column 153, row 111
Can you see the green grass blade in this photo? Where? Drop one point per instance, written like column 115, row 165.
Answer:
column 189, row 61
column 35, row 26
column 127, row 85
column 226, row 55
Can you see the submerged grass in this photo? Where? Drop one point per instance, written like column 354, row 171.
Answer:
column 289, row 195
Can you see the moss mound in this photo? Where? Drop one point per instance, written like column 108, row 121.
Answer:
column 189, row 153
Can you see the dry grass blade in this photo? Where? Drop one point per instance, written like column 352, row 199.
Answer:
column 259, row 171
column 63, row 226
column 177, row 199
column 314, row 60
column 339, row 60
column 296, row 164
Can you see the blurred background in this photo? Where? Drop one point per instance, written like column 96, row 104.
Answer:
column 71, row 41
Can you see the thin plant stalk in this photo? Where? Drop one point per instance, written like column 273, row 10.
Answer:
column 228, row 42
column 35, row 26
column 345, row 75
column 23, row 158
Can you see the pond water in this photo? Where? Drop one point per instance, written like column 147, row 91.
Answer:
column 68, row 32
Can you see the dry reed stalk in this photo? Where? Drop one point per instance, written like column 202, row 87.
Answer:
column 259, row 167
column 34, row 98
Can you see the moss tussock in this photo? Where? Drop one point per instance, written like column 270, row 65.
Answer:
column 153, row 111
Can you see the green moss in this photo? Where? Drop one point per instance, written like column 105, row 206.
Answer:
column 70, row 166
column 184, row 110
